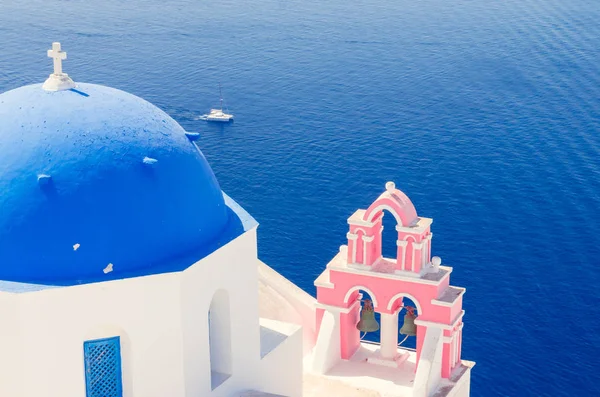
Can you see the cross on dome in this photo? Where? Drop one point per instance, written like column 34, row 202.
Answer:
column 58, row 56
column 58, row 80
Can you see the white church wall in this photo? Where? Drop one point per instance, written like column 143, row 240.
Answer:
column 10, row 346
column 281, row 367
column 231, row 270
column 282, row 300
column 144, row 312
column 219, row 335
column 163, row 325
column 462, row 388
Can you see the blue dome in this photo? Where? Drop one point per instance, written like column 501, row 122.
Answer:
column 95, row 176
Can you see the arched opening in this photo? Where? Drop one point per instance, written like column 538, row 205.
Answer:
column 389, row 236
column 219, row 337
column 368, row 303
column 408, row 309
column 354, row 293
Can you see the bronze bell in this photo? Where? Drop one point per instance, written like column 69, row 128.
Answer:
column 367, row 321
column 409, row 328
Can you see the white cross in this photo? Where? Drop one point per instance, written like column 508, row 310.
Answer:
column 57, row 81
column 58, row 56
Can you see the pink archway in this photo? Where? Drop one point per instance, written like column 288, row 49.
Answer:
column 357, row 288
column 397, row 203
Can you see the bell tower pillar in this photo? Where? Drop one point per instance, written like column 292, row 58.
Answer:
column 389, row 335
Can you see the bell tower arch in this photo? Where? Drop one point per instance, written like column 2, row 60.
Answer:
column 413, row 240
column 434, row 318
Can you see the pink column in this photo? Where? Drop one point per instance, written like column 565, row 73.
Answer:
column 416, row 261
column 446, row 360
column 430, row 237
column 352, row 246
column 459, row 343
column 451, row 354
column 370, row 250
column 360, row 248
column 372, row 242
column 425, row 258
column 378, row 229
column 401, row 254
column 409, row 255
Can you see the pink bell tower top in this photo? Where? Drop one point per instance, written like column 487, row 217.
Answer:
column 412, row 274
column 414, row 236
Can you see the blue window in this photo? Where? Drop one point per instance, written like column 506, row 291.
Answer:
column 103, row 367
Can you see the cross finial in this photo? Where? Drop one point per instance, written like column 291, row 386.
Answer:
column 58, row 80
column 58, row 56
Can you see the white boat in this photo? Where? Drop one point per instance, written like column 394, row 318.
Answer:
column 218, row 114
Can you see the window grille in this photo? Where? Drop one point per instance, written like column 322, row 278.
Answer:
column 103, row 367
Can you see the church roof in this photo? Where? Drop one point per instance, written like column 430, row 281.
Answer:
column 96, row 183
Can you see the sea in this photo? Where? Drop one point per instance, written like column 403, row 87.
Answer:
column 486, row 113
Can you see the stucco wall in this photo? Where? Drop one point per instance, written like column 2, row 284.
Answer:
column 234, row 270
column 162, row 321
column 10, row 346
column 54, row 323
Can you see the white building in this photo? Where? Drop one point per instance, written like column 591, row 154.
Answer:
column 126, row 271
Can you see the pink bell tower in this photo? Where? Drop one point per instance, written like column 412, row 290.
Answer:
column 412, row 274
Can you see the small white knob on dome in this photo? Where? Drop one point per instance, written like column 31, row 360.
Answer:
column 390, row 186
column 149, row 161
column 108, row 268
column 44, row 180
column 192, row 136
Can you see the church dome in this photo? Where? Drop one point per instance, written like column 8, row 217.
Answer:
column 97, row 183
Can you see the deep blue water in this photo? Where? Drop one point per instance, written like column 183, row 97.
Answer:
column 485, row 112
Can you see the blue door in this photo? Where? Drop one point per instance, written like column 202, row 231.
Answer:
column 103, row 367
